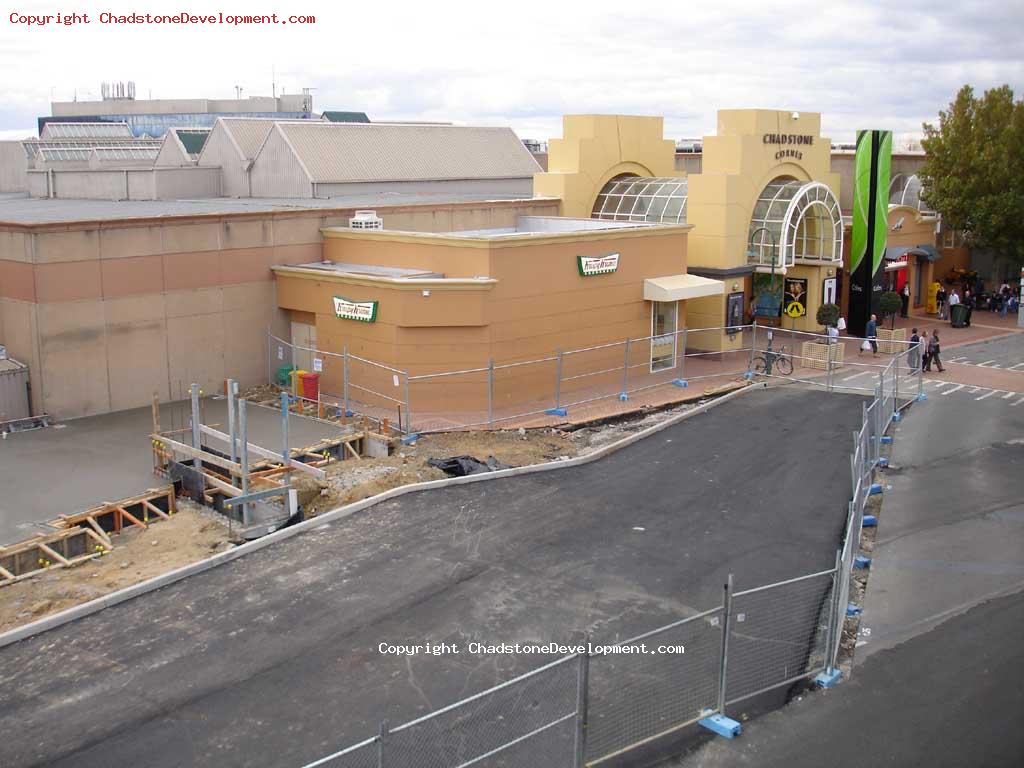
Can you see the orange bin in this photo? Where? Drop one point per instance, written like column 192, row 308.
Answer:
column 310, row 385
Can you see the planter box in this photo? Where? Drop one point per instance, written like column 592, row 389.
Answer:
column 816, row 355
column 886, row 337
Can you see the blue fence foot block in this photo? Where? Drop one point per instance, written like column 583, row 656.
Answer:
column 722, row 725
column 922, row 397
column 623, row 397
column 828, row 678
column 748, row 375
column 861, row 561
column 681, row 383
column 870, row 521
column 876, row 488
column 883, row 462
column 556, row 412
column 887, row 439
column 410, row 439
column 349, row 414
column 852, row 610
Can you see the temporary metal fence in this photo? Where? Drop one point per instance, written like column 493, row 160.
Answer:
column 601, row 702
column 500, row 392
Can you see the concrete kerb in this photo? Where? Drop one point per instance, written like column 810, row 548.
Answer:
column 171, row 577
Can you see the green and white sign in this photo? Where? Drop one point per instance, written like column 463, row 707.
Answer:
column 363, row 311
column 597, row 265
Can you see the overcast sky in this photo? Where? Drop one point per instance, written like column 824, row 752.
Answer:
column 866, row 64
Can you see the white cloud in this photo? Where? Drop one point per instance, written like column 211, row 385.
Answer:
column 865, row 64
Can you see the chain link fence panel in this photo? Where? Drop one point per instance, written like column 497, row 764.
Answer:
column 637, row 697
column 777, row 634
column 495, row 721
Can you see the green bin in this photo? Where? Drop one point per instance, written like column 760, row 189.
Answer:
column 958, row 315
column 284, row 375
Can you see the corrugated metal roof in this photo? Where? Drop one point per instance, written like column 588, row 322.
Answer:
column 61, row 130
column 335, row 116
column 346, row 152
column 249, row 134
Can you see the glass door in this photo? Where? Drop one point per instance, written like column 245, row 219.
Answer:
column 663, row 334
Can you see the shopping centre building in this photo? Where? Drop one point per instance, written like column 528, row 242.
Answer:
column 481, row 256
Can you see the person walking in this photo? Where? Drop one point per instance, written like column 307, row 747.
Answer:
column 905, row 300
column 940, row 300
column 926, row 358
column 871, row 336
column 934, row 350
column 914, row 353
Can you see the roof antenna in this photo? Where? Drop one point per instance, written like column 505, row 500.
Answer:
column 273, row 85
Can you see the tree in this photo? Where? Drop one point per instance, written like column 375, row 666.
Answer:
column 889, row 303
column 827, row 315
column 974, row 172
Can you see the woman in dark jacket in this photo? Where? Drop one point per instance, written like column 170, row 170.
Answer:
column 933, row 352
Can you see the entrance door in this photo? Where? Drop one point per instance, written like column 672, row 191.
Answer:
column 303, row 341
column 663, row 334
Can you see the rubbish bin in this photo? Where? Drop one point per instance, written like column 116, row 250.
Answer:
column 310, row 385
column 958, row 315
column 284, row 375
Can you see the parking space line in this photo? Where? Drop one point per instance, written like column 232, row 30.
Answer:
column 1008, row 395
column 974, row 390
column 856, row 375
column 957, row 388
column 957, row 359
column 988, row 394
column 982, row 365
column 1018, row 402
column 1015, row 367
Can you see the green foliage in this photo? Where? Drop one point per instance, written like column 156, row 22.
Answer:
column 828, row 314
column 974, row 173
column 889, row 303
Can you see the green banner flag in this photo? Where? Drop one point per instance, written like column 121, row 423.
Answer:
column 870, row 222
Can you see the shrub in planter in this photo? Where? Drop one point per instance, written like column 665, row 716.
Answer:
column 889, row 303
column 827, row 315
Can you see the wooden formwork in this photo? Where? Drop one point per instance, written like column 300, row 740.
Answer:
column 82, row 536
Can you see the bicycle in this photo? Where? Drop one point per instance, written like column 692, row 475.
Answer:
column 779, row 361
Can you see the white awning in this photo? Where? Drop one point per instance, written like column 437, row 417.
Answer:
column 679, row 287
column 895, row 266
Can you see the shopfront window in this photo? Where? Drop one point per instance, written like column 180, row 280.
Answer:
column 664, row 315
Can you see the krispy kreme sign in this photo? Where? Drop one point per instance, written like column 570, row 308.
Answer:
column 363, row 311
column 597, row 265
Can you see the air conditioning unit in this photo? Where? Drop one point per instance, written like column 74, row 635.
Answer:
column 366, row 220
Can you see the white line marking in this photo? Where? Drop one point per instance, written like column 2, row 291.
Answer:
column 1015, row 367
column 957, row 388
column 958, row 359
column 938, row 383
column 856, row 375
column 1018, row 402
column 982, row 365
column 974, row 390
column 988, row 394
column 1008, row 395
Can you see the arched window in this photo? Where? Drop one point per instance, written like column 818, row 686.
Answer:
column 795, row 220
column 640, row 198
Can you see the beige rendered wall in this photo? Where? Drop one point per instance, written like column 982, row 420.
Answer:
column 596, row 148
column 13, row 167
column 106, row 313
column 539, row 304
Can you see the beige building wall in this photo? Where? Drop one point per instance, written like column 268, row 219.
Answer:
column 220, row 151
column 595, row 149
column 531, row 302
column 13, row 167
column 106, row 313
column 277, row 172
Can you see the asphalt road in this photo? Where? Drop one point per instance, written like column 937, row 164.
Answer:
column 936, row 678
column 272, row 659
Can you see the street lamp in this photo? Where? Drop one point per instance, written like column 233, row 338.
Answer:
column 751, row 253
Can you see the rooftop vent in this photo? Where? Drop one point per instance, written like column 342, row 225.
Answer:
column 366, row 220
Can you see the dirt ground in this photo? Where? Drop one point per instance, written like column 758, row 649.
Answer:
column 138, row 555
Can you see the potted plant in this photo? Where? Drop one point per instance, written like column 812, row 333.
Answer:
column 889, row 304
column 818, row 353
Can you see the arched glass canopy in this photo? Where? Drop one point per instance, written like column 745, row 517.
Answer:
column 641, row 198
column 906, row 190
column 795, row 220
